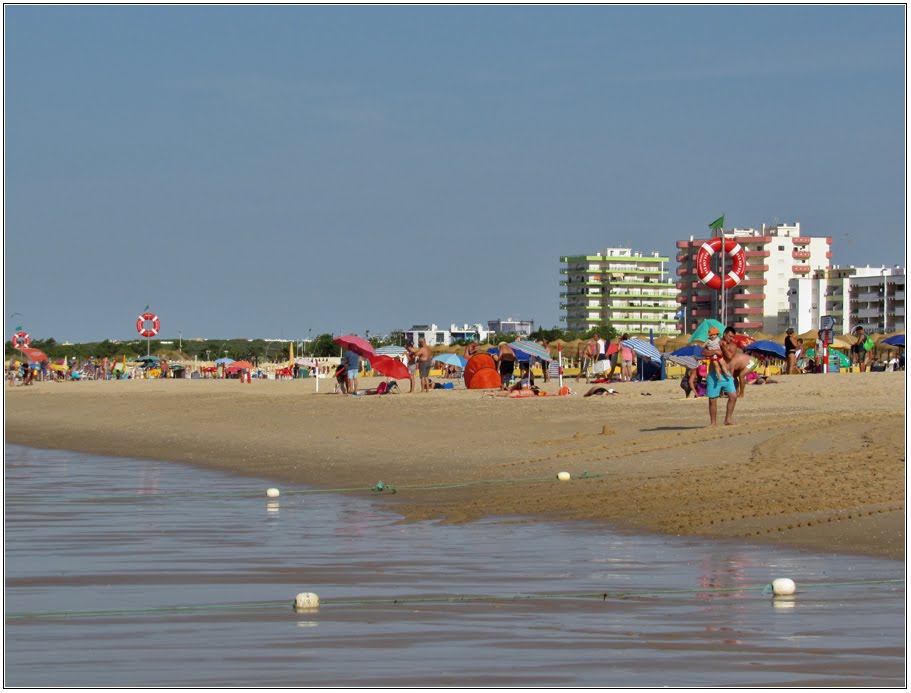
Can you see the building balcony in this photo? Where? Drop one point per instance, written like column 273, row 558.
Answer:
column 749, row 297
column 701, row 298
column 754, row 282
column 756, row 268
column 801, row 240
column 800, row 269
column 829, row 255
column 748, row 311
column 748, row 325
column 683, row 244
column 681, row 299
column 702, row 312
column 682, row 257
column 682, row 271
column 801, row 254
column 756, row 253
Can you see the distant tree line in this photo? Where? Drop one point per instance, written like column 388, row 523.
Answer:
column 255, row 350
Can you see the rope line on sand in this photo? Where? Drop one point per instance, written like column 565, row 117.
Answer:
column 439, row 599
column 378, row 488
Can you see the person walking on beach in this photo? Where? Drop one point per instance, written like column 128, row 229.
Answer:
column 424, row 356
column 715, row 383
column 860, row 352
column 587, row 353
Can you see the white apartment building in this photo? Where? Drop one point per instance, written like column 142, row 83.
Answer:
column 774, row 256
column 436, row 336
column 630, row 291
column 872, row 297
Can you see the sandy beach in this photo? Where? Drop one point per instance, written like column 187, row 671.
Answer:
column 814, row 461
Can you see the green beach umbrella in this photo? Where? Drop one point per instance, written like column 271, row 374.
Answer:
column 702, row 332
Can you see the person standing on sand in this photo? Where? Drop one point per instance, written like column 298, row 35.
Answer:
column 587, row 353
column 506, row 364
column 424, row 356
column 790, row 349
column 738, row 361
column 352, row 365
column 715, row 384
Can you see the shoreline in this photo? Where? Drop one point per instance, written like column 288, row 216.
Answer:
column 802, row 468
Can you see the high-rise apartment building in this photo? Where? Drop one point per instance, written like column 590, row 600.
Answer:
column 774, row 256
column 871, row 297
column 630, row 291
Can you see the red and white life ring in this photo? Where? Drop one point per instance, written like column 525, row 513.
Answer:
column 738, row 263
column 21, row 339
column 148, row 331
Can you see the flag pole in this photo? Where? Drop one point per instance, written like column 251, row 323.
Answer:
column 723, row 292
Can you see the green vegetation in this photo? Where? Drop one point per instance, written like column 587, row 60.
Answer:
column 254, row 350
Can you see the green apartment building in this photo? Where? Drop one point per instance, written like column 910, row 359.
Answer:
column 627, row 290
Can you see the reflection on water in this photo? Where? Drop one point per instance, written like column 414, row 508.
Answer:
column 175, row 576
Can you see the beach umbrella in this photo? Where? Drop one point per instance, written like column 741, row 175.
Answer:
column 691, row 350
column 390, row 351
column 224, row 359
column 149, row 358
column 895, row 340
column 702, row 332
column 843, row 360
column 685, row 361
column 390, row 366
column 237, row 365
column 520, row 355
column 767, row 348
column 33, row 355
column 532, row 349
column 451, row 360
column 643, row 349
column 358, row 345
column 743, row 340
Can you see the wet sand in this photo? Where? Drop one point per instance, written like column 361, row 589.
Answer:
column 814, row 461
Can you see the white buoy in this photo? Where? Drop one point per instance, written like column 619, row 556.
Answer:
column 564, row 476
column 273, row 492
column 306, row 600
column 783, row 587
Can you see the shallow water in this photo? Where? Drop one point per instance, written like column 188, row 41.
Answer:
column 124, row 572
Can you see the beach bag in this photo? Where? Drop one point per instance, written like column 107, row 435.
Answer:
column 868, row 344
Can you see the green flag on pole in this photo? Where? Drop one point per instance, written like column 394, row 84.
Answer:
column 146, row 309
column 718, row 223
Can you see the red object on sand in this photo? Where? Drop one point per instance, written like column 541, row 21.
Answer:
column 358, row 345
column 390, row 367
column 481, row 373
column 237, row 365
column 612, row 348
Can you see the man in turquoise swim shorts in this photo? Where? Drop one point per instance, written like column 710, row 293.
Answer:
column 715, row 384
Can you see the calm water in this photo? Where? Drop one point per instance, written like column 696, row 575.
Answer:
column 176, row 576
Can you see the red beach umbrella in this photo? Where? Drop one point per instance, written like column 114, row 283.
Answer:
column 33, row 355
column 390, row 367
column 358, row 345
column 237, row 365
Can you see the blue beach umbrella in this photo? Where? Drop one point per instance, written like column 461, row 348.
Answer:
column 451, row 360
column 689, row 350
column 767, row 348
column 224, row 359
column 895, row 340
column 520, row 355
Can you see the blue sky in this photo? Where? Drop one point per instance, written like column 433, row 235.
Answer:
column 277, row 171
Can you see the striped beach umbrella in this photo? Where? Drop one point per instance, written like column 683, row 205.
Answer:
column 390, row 351
column 643, row 349
column 532, row 349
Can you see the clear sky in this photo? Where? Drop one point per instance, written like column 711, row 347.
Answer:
column 272, row 171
